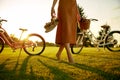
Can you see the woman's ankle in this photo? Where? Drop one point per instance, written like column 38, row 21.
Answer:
column 58, row 57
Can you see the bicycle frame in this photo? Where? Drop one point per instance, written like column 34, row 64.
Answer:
column 88, row 33
column 107, row 39
column 6, row 38
column 97, row 42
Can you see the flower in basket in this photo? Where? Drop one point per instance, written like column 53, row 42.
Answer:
column 49, row 26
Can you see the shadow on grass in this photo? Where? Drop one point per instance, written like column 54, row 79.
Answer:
column 6, row 74
column 104, row 57
column 14, row 74
column 106, row 75
column 58, row 74
column 20, row 74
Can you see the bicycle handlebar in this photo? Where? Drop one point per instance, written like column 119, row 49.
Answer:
column 93, row 19
column 1, row 20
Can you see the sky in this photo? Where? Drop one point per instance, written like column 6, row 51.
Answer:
column 33, row 14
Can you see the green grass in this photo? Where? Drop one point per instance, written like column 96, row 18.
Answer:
column 89, row 65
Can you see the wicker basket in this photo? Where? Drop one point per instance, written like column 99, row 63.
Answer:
column 84, row 24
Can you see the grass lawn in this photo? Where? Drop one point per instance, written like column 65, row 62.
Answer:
column 90, row 64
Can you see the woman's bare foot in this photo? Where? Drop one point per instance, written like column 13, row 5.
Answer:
column 58, row 57
column 71, row 61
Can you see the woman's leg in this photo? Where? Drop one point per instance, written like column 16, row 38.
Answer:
column 70, row 58
column 59, row 51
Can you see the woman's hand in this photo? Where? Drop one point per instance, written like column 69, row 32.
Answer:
column 53, row 14
column 78, row 15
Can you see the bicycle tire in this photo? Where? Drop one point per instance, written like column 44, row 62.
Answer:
column 1, row 45
column 77, row 48
column 113, row 41
column 34, row 44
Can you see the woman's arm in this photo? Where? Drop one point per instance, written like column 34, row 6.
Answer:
column 52, row 8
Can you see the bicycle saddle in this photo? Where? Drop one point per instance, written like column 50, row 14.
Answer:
column 22, row 29
column 105, row 26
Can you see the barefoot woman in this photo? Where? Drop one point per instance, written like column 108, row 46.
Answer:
column 67, row 25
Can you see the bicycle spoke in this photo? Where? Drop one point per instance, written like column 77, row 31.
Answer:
column 113, row 41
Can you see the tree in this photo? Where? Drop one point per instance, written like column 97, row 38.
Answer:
column 105, row 30
column 12, row 36
column 81, row 11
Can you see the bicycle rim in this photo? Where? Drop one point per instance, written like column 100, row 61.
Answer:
column 113, row 41
column 76, row 49
column 1, row 45
column 34, row 44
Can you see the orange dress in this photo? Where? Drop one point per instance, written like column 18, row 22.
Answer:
column 67, row 25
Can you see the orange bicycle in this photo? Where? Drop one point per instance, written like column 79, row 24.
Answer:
column 33, row 44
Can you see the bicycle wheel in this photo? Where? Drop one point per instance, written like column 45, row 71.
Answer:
column 34, row 44
column 112, row 41
column 1, row 45
column 76, row 49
